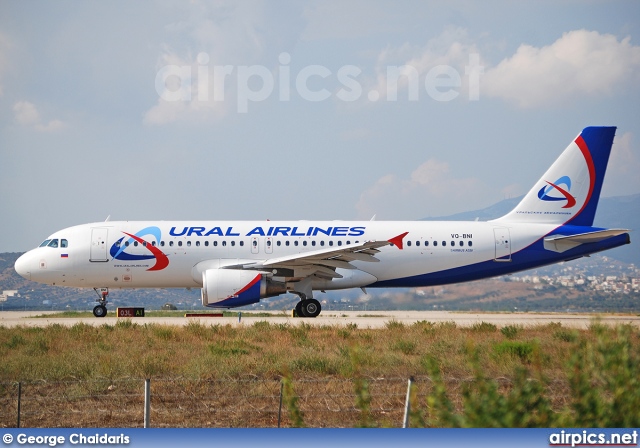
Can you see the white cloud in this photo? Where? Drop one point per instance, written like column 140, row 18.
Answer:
column 451, row 49
column 224, row 33
column 26, row 114
column 430, row 190
column 580, row 62
column 193, row 98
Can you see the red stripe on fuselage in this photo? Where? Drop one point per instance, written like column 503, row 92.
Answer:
column 161, row 259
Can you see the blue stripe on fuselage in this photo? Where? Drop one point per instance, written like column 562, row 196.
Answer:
column 531, row 257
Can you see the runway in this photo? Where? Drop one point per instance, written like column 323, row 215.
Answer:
column 370, row 319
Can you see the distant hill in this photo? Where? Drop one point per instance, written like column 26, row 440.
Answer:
column 614, row 212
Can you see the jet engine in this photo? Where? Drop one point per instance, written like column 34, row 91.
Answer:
column 229, row 288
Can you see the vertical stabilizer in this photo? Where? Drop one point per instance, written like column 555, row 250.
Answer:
column 569, row 191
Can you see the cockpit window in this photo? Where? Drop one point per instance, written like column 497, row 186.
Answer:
column 44, row 243
column 53, row 243
column 64, row 243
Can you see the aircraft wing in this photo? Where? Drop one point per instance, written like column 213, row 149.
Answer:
column 323, row 262
column 562, row 243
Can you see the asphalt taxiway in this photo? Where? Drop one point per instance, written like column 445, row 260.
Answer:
column 369, row 319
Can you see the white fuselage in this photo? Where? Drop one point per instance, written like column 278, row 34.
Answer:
column 429, row 247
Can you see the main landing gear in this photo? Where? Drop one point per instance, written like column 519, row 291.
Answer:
column 307, row 308
column 100, row 310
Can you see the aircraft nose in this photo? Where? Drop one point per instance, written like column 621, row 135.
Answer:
column 23, row 265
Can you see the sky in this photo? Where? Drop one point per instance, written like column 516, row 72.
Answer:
column 317, row 110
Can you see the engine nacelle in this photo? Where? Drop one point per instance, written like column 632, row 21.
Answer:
column 229, row 288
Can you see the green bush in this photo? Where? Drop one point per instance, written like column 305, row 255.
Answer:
column 510, row 331
column 484, row 327
column 523, row 350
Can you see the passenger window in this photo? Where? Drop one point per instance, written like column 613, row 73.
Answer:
column 179, row 243
column 453, row 243
column 242, row 243
column 444, row 243
column 304, row 243
column 286, row 243
column 153, row 243
column 279, row 243
column 313, row 243
column 435, row 243
column 330, row 243
column 255, row 243
column 224, row 243
column 339, row 243
column 162, row 243
column 144, row 244
column 322, row 243
column 417, row 243
column 426, row 243
column 188, row 243
column 170, row 243
column 53, row 243
column 64, row 243
column 44, row 243
column 461, row 243
column 470, row 243
column 135, row 243
column 268, row 243
column 233, row 243
column 348, row 242
column 206, row 244
column 197, row 243
column 409, row 243
column 295, row 243
column 215, row 243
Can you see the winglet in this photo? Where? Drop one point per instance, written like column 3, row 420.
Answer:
column 397, row 240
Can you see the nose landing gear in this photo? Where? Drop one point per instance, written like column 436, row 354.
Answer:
column 100, row 310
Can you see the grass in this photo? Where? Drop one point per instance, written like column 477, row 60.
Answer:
column 526, row 376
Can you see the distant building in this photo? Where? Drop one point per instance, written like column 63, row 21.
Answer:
column 8, row 293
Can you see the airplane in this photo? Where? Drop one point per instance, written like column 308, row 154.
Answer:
column 238, row 263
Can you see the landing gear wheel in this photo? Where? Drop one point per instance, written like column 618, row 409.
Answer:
column 298, row 310
column 310, row 308
column 100, row 311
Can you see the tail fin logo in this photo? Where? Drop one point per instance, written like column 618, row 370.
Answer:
column 544, row 195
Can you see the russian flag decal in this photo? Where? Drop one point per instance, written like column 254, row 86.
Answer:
column 64, row 255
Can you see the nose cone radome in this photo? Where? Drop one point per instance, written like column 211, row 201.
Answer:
column 23, row 265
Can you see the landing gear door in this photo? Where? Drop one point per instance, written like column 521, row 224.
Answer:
column 99, row 244
column 503, row 244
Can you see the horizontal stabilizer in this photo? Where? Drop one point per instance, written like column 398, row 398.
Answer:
column 563, row 243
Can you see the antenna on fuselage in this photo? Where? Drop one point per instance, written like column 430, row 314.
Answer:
column 108, row 218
